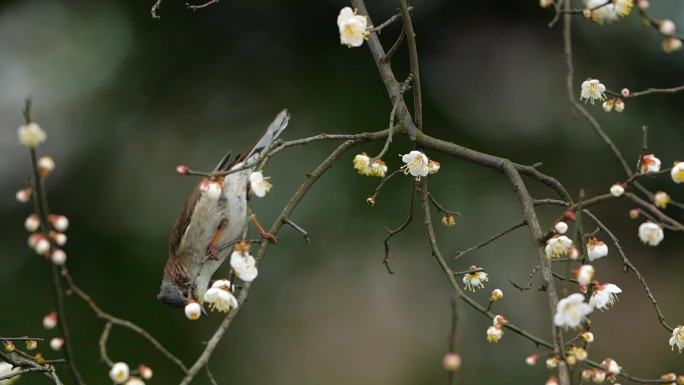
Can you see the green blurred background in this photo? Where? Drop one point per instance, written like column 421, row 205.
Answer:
column 125, row 98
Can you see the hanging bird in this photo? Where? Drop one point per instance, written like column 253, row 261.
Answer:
column 215, row 215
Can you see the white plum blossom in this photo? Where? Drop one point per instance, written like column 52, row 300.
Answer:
column 677, row 338
column 494, row 334
column 561, row 227
column 416, row 164
column 677, row 172
column 571, row 311
column 552, row 362
column 259, row 184
column 617, row 190
column 601, row 13
column 352, row 27
column 5, row 370
column 243, row 262
column 135, row 381
column 475, row 280
column 193, row 310
column 211, row 189
column 592, row 90
column 362, row 163
column 598, row 376
column 378, row 168
column 588, row 337
column 596, row 249
column 497, row 294
column 557, row 246
column 585, row 275
column 220, row 297
column 119, row 372
column 604, row 296
column 619, row 105
column 31, row 135
column 661, row 199
column 650, row 164
column 59, row 238
column 651, row 233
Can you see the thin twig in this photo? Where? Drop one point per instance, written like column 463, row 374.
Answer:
column 490, row 240
column 200, row 6
column 392, row 232
column 295, row 226
column 103, row 344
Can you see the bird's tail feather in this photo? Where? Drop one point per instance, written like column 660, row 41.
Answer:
column 272, row 132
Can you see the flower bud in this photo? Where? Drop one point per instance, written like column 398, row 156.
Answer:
column 573, row 253
column 551, row 362
column 625, row 92
column 45, row 165
column 58, row 222
column 9, row 346
column 448, row 220
column 58, row 257
column 680, row 380
column 56, row 344
column 643, row 5
column 451, row 361
column 182, row 169
column 135, row 381
column 588, row 337
column 59, row 238
column 50, row 320
column 32, row 223
column 31, row 344
column 552, row 381
column 598, row 377
column 586, row 12
column 666, row 27
column 499, row 320
column 532, row 359
column 433, row 166
column 571, row 360
column 569, row 215
column 619, row 105
column 42, row 246
column 24, row 195
column 587, row 374
column 608, row 105
column 193, row 310
column 634, row 213
column 497, row 294
column 671, row 44
column 561, row 227
column 669, row 377
column 145, row 371
column 545, row 3
column 617, row 190
column 370, row 201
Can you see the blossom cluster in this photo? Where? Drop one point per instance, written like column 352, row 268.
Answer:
column 120, row 373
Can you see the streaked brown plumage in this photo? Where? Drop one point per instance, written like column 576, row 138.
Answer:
column 205, row 224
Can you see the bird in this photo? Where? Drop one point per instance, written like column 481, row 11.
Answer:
column 209, row 221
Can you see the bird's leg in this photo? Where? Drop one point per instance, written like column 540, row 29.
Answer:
column 262, row 232
column 212, row 250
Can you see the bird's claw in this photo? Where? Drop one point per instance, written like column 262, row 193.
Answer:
column 212, row 253
column 271, row 238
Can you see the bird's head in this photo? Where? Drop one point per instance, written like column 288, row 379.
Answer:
column 172, row 295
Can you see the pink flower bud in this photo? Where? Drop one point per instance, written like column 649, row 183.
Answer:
column 32, row 223
column 24, row 195
column 59, row 222
column 145, row 372
column 45, row 165
column 625, row 92
column 50, row 320
column 451, row 361
column 182, row 169
column 59, row 238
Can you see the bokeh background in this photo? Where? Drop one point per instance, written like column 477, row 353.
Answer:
column 125, row 98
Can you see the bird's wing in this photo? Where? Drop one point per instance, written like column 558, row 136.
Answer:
column 182, row 222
